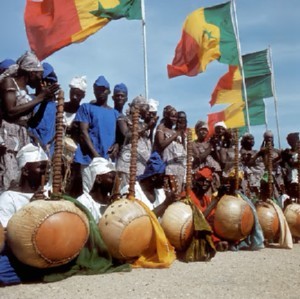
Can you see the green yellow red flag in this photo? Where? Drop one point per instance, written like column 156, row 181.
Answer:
column 207, row 34
column 54, row 24
column 229, row 90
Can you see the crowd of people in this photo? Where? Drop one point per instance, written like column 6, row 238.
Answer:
column 97, row 149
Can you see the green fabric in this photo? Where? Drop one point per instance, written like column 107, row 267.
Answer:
column 220, row 16
column 258, row 79
column 94, row 258
column 201, row 247
column 130, row 9
column 256, row 64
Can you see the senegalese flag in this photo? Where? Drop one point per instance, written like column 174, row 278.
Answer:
column 229, row 90
column 207, row 35
column 54, row 24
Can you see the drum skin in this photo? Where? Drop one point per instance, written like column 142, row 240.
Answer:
column 292, row 215
column 126, row 229
column 177, row 223
column 47, row 233
column 268, row 220
column 2, row 237
column 233, row 219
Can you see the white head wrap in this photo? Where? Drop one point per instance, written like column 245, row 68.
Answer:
column 153, row 105
column 30, row 63
column 30, row 153
column 98, row 166
column 220, row 124
column 79, row 82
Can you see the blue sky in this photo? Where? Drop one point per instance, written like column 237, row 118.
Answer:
column 116, row 51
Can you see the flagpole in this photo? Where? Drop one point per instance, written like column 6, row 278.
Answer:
column 145, row 48
column 236, row 30
column 274, row 95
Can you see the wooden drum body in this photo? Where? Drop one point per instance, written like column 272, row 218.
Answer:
column 233, row 219
column 292, row 215
column 47, row 233
column 268, row 220
column 126, row 229
column 177, row 223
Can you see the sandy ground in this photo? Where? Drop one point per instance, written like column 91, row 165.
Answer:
column 268, row 273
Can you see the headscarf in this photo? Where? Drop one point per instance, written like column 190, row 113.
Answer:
column 268, row 133
column 121, row 87
column 101, row 81
column 49, row 73
column 98, row 166
column 201, row 125
column 30, row 153
column 139, row 100
column 153, row 105
column 79, row 82
column 30, row 63
column 220, row 124
column 204, row 172
column 155, row 165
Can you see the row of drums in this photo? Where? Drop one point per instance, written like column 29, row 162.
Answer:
column 51, row 233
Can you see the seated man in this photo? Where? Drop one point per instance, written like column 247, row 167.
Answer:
column 149, row 187
column 98, row 181
column 32, row 162
column 206, row 201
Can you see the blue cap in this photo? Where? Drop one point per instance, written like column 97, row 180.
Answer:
column 5, row 64
column 155, row 165
column 101, row 81
column 49, row 73
column 121, row 88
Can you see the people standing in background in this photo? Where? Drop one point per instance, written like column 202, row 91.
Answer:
column 97, row 123
column 17, row 106
column 41, row 125
column 169, row 144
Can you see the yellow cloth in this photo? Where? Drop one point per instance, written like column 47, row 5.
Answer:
column 285, row 238
column 160, row 254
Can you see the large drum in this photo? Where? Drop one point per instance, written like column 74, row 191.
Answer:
column 292, row 215
column 177, row 223
column 233, row 219
column 126, row 229
column 47, row 233
column 2, row 237
column 268, row 220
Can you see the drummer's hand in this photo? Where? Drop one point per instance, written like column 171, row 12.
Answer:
column 171, row 197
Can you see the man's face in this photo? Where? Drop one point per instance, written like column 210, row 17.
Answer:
column 172, row 116
column 36, row 170
column 35, row 79
column 101, row 93
column 76, row 95
column 203, row 183
column 220, row 131
column 120, row 98
column 202, row 133
column 158, row 180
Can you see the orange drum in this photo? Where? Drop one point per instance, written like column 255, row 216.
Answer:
column 47, row 233
column 126, row 229
column 292, row 215
column 268, row 219
column 233, row 219
column 177, row 223
column 2, row 237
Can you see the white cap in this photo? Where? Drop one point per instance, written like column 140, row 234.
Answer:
column 220, row 124
column 30, row 153
column 153, row 105
column 79, row 82
column 98, row 166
